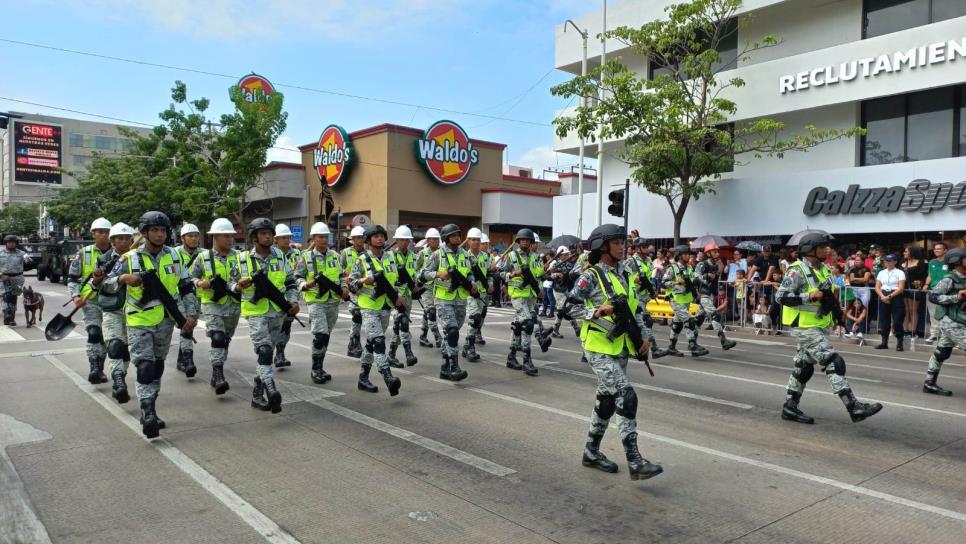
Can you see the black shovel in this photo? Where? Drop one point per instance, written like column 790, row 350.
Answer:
column 60, row 326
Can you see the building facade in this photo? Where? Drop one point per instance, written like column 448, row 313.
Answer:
column 894, row 67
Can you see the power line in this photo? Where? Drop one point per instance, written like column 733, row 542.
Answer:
column 289, row 85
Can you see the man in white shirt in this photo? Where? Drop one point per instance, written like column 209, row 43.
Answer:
column 890, row 282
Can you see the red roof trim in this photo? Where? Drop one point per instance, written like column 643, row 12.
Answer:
column 275, row 165
column 517, row 192
column 575, row 174
column 535, row 181
column 399, row 129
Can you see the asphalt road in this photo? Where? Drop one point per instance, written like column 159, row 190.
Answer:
column 495, row 458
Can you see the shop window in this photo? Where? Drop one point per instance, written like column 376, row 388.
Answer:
column 914, row 127
column 727, row 50
column 947, row 9
column 885, row 121
column 103, row 142
column 930, row 125
column 961, row 123
column 76, row 140
column 887, row 16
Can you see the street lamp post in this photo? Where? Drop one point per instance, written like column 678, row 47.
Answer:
column 580, row 174
column 600, row 139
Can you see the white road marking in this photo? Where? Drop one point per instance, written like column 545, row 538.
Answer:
column 787, row 369
column 874, row 367
column 9, row 335
column 760, row 342
column 18, row 520
column 959, row 516
column 258, row 521
column 39, row 353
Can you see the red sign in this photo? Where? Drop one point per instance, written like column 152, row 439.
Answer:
column 37, row 152
column 255, row 88
column 333, row 155
column 446, row 152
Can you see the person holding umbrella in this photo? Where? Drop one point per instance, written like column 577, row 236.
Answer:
column 707, row 273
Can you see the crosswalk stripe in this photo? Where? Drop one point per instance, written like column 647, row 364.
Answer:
column 9, row 335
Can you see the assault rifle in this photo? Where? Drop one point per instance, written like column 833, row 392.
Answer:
column 457, row 280
column 528, row 278
column 153, row 289
column 829, row 305
column 689, row 285
column 325, row 285
column 624, row 323
column 264, row 288
column 415, row 289
column 220, row 289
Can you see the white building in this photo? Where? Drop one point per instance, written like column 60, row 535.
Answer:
column 895, row 67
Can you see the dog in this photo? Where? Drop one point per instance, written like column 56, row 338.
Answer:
column 33, row 306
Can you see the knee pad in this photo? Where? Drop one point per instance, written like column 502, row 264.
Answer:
column 699, row 320
column 356, row 316
column 648, row 321
column 379, row 345
column 527, row 327
column 431, row 314
column 452, row 336
column 395, row 324
column 320, row 340
column 287, row 326
column 803, row 372
column 941, row 354
column 403, row 323
column 516, row 328
column 476, row 321
column 145, row 369
column 264, row 353
column 676, row 326
column 219, row 339
column 158, row 368
column 628, row 405
column 692, row 323
column 483, row 315
column 835, row 364
column 116, row 348
column 605, row 406
column 94, row 334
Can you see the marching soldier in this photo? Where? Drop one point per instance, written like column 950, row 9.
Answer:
column 427, row 299
column 188, row 251
column 111, row 302
column 640, row 275
column 444, row 268
column 523, row 296
column 405, row 260
column 561, row 271
column 597, row 289
column 349, row 257
column 316, row 263
column 149, row 323
column 950, row 297
column 212, row 273
column 375, row 306
column 707, row 273
column 12, row 260
column 264, row 316
column 681, row 277
column 493, row 289
column 81, row 291
column 283, row 241
column 806, row 283
column 480, row 264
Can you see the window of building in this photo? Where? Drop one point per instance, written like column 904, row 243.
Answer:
column 887, row 16
column 81, row 161
column 727, row 49
column 914, row 127
column 103, row 142
column 76, row 140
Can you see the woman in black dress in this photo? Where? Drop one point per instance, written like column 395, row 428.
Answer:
column 916, row 271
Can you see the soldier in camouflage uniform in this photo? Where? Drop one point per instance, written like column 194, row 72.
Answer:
column 596, row 291
column 480, row 263
column 283, row 241
column 12, row 260
column 375, row 306
column 221, row 314
column 81, row 292
column 427, row 299
column 315, row 262
column 405, row 259
column 678, row 275
column 706, row 273
column 349, row 256
column 639, row 270
column 112, row 306
column 806, row 283
column 524, row 299
column 949, row 296
column 149, row 325
column 450, row 301
column 188, row 251
column 563, row 272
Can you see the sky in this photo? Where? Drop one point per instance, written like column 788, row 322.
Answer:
column 490, row 57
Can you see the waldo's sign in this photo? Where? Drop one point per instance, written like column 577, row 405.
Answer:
column 446, row 152
column 333, row 155
column 255, row 88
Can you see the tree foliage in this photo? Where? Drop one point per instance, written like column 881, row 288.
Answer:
column 20, row 219
column 676, row 130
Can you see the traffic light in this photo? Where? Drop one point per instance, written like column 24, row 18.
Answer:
column 616, row 207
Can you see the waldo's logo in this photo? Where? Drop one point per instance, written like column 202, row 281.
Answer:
column 255, row 88
column 333, row 156
column 446, row 152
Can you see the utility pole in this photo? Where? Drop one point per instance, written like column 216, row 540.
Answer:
column 583, row 102
column 627, row 207
column 600, row 139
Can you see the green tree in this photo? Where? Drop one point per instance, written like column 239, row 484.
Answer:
column 675, row 129
column 190, row 167
column 20, row 219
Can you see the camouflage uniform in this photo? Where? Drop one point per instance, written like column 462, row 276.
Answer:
column 451, row 313
column 674, row 275
column 221, row 318
column 526, row 320
column 374, row 323
column 561, row 288
column 640, row 271
column 292, row 256
column 88, row 257
column 402, row 321
column 11, row 265
column 324, row 310
column 349, row 256
column 952, row 326
column 476, row 306
column 186, row 343
column 429, row 303
column 706, row 274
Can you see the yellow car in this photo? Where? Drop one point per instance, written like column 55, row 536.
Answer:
column 660, row 308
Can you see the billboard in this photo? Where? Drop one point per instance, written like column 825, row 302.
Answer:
column 37, row 152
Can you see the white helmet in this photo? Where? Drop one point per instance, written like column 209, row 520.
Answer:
column 403, row 233
column 536, row 238
column 357, row 230
column 101, row 223
column 220, row 226
column 188, row 228
column 282, row 229
column 319, row 228
column 484, row 239
column 475, row 233
column 121, row 229
column 432, row 233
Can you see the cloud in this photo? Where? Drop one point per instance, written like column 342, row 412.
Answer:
column 285, row 155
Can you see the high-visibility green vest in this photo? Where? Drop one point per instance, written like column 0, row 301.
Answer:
column 349, row 256
column 89, row 256
column 446, row 261
column 276, row 274
column 593, row 332
column 807, row 314
column 516, row 287
column 292, row 257
column 409, row 262
column 214, row 267
column 169, row 272
column 370, row 267
column 329, row 266
column 687, row 297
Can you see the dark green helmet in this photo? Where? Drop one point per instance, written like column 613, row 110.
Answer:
column 525, row 234
column 813, row 240
column 952, row 257
column 603, row 234
column 260, row 223
column 372, row 230
column 448, row 230
column 682, row 249
column 153, row 219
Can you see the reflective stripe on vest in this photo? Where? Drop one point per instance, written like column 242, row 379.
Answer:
column 169, row 272
column 442, row 287
column 387, row 266
column 89, row 256
column 214, row 267
column 409, row 262
column 276, row 274
column 331, row 268
column 515, row 286
column 687, row 297
column 593, row 332
column 806, row 315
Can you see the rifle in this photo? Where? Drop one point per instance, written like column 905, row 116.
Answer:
column 108, row 266
column 383, row 287
column 155, row 290
column 528, row 278
column 220, row 289
column 410, row 282
column 624, row 323
column 457, row 280
column 327, row 285
column 830, row 305
column 264, row 288
column 689, row 285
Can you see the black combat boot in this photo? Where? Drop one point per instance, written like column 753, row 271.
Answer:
column 899, row 343
column 424, row 340
column 319, row 375
column 930, row 385
column 528, row 367
column 392, row 382
column 469, row 349
column 593, row 457
column 657, row 352
column 456, row 373
column 218, row 381
column 885, row 342
column 258, row 396
column 858, row 410
column 511, row 360
column 150, row 425
column 696, row 350
column 583, row 358
column 355, row 347
column 543, row 339
column 274, row 397
column 672, row 349
column 180, row 365
column 364, row 383
column 444, row 372
column 391, row 356
column 96, row 375
column 480, row 341
column 410, row 357
column 556, row 331
column 790, row 410
column 189, row 363
column 725, row 343
column 638, row 467
column 119, row 389
column 281, row 360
